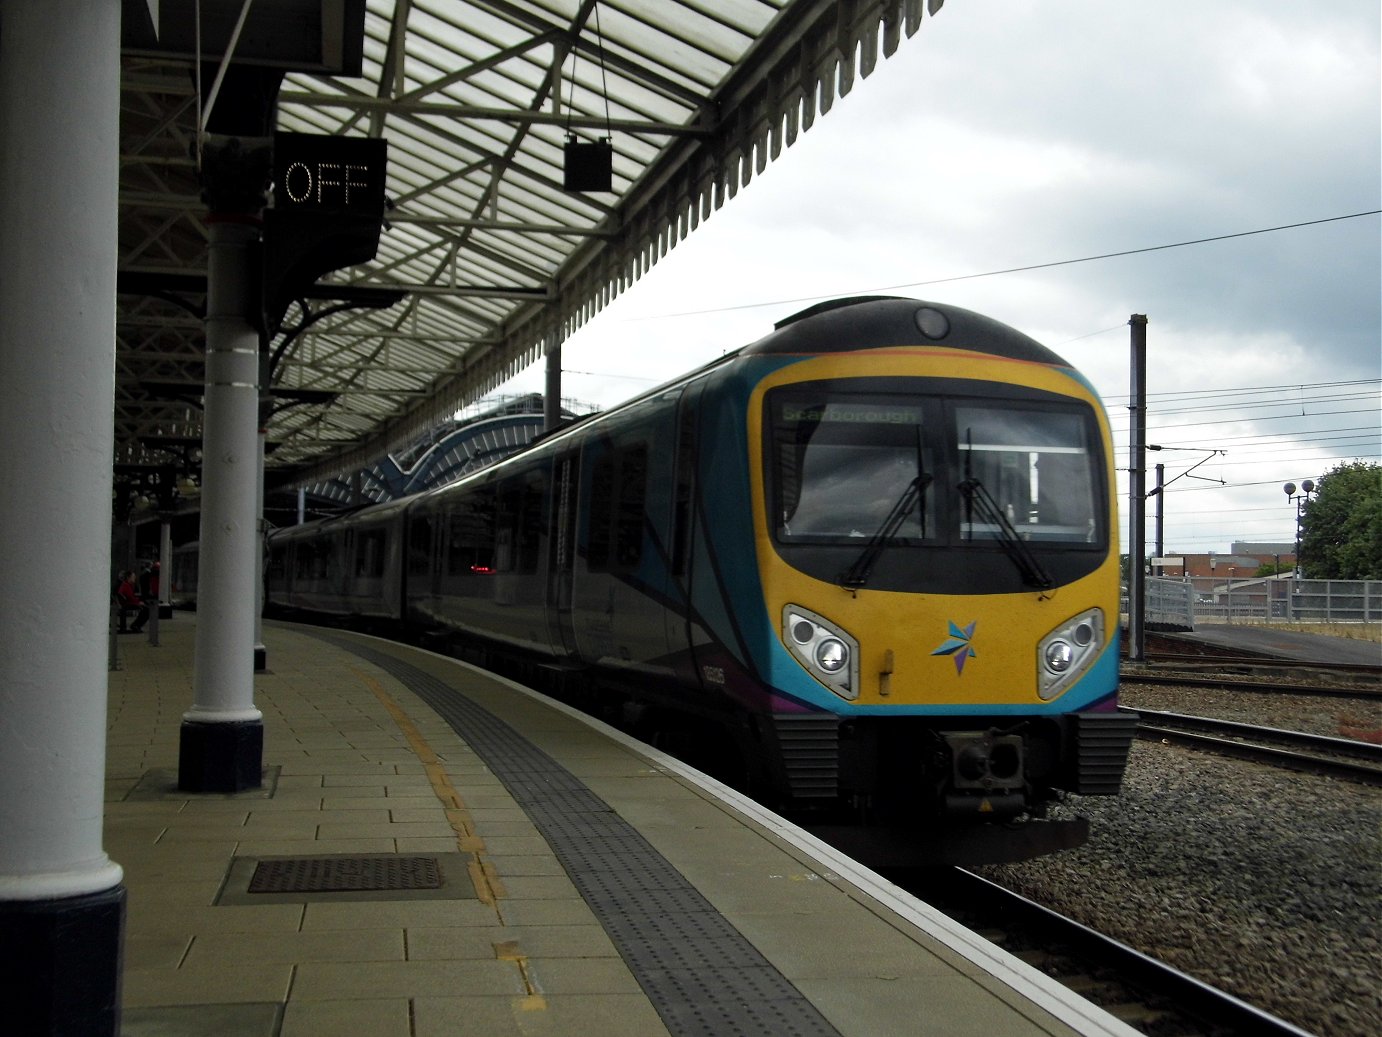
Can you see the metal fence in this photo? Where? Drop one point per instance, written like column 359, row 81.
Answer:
column 1179, row 604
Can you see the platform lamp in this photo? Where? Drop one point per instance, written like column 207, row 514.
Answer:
column 1307, row 487
column 588, row 165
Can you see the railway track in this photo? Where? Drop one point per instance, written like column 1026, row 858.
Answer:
column 1276, row 687
column 1144, row 993
column 1344, row 758
column 1260, row 662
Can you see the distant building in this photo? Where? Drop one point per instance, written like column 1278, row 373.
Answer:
column 1242, row 561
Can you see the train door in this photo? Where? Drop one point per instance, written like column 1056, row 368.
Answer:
column 681, row 634
column 622, row 575
column 420, row 582
column 562, row 556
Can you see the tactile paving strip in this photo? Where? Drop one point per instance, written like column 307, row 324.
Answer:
column 703, row 977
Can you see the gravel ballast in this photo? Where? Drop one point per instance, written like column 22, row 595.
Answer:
column 1261, row 882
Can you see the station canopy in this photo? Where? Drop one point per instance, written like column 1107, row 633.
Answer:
column 492, row 259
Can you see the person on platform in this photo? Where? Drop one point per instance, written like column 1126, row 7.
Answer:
column 130, row 601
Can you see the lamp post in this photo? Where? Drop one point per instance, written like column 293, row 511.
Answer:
column 1307, row 487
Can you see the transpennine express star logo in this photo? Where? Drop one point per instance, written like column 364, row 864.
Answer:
column 959, row 645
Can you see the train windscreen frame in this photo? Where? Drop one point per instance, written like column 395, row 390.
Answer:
column 842, row 463
column 902, row 461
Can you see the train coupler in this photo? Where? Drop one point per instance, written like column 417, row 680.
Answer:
column 985, row 806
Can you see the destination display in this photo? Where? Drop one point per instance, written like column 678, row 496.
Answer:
column 319, row 173
column 328, row 207
column 854, row 413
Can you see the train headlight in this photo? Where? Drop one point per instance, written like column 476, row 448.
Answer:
column 1059, row 655
column 1067, row 652
column 828, row 652
column 831, row 654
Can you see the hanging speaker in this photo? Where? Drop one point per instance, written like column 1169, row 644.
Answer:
column 589, row 165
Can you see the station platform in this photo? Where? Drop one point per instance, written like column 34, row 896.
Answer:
column 1295, row 645
column 530, row 871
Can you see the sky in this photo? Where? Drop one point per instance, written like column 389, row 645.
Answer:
column 1009, row 134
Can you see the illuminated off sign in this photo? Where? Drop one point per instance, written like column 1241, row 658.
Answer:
column 316, row 173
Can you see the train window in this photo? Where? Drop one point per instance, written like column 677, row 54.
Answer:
column 506, row 529
column 564, row 520
column 847, row 467
column 530, row 521
column 618, row 504
column 420, row 545
column 630, row 507
column 471, row 534
column 1035, row 466
column 685, row 485
column 518, row 526
column 601, row 497
column 312, row 560
column 369, row 554
column 302, row 560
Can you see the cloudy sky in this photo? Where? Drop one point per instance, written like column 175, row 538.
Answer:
column 1017, row 133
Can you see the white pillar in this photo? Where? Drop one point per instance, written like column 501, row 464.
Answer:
column 222, row 734
column 551, row 399
column 165, row 563
column 61, row 903
column 261, row 528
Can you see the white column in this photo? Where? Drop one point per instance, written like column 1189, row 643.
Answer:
column 261, row 653
column 61, row 902
column 165, row 562
column 59, row 156
column 219, row 750
column 551, row 398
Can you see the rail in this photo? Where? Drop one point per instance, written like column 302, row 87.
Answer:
column 1344, row 758
column 1148, row 994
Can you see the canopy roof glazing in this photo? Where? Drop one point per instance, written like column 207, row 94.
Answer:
column 496, row 261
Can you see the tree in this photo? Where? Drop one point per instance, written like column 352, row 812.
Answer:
column 1341, row 528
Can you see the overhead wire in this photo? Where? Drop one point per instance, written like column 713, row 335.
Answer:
column 1023, row 269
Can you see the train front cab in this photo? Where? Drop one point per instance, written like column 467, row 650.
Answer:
column 935, row 547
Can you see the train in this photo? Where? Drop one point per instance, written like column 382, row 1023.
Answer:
column 864, row 568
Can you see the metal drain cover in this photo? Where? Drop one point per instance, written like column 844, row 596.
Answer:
column 345, row 874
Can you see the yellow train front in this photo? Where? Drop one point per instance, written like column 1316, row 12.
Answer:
column 934, row 548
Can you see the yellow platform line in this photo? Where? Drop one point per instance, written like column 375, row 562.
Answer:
column 488, row 887
column 533, row 1001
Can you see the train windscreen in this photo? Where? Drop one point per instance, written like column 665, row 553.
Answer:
column 844, row 466
column 922, row 469
column 1035, row 467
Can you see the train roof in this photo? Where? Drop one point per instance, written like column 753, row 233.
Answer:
column 871, row 322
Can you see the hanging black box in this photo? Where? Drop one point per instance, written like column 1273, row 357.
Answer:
column 589, row 165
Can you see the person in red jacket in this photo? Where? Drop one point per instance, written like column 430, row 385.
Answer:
column 130, row 601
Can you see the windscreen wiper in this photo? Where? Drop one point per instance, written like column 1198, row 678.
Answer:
column 979, row 500
column 857, row 575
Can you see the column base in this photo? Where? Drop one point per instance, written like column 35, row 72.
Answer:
column 225, row 757
column 61, row 962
